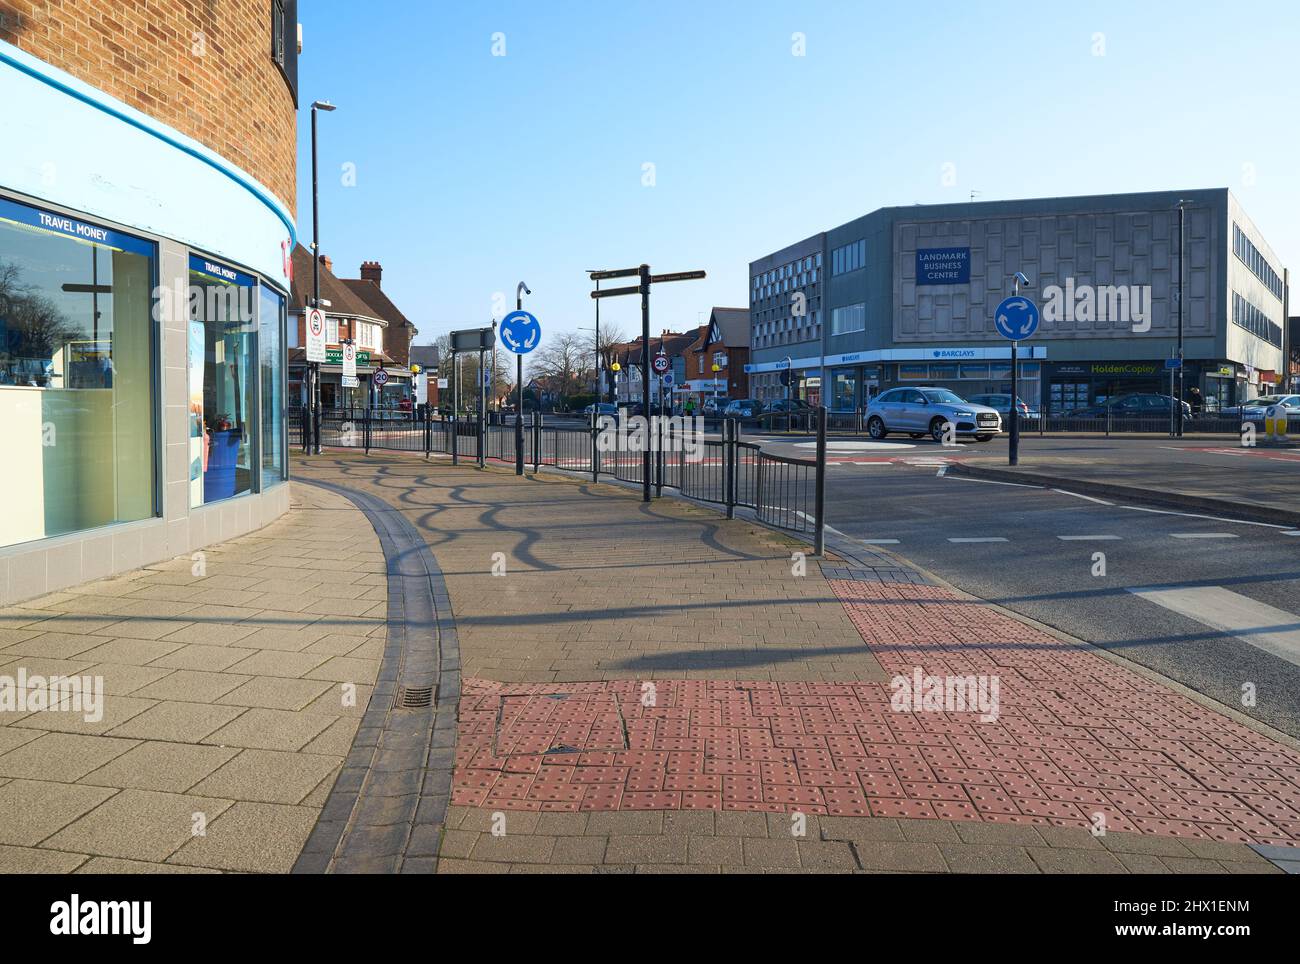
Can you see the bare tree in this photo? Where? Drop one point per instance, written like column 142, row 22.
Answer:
column 565, row 360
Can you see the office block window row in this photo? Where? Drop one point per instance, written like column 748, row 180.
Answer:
column 1255, row 321
column 1256, row 262
column 849, row 257
column 848, row 318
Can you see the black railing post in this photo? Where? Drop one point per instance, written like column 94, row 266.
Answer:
column 428, row 432
column 595, row 452
column 366, row 430
column 455, row 440
column 819, row 537
column 537, row 441
column 659, row 454
column 729, row 466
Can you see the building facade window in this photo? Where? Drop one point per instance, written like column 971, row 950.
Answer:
column 284, row 42
column 848, row 318
column 849, row 257
column 222, row 381
column 77, row 362
column 1250, row 256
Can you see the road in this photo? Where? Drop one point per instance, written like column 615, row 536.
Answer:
column 1218, row 601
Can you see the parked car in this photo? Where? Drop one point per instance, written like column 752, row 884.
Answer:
column 1130, row 405
column 712, row 407
column 795, row 406
column 600, row 408
column 1003, row 405
column 926, row 411
column 1253, row 410
column 742, row 408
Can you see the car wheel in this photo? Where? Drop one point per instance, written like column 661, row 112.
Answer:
column 876, row 427
column 936, row 429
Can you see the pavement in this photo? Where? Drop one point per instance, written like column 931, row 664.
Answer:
column 612, row 686
column 234, row 682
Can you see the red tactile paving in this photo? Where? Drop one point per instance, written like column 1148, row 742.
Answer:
column 1075, row 736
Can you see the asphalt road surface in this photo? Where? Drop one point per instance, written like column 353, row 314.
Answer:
column 1209, row 602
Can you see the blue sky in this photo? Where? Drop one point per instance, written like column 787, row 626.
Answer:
column 475, row 171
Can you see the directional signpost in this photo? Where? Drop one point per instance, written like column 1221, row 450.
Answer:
column 1015, row 318
column 643, row 289
column 481, row 340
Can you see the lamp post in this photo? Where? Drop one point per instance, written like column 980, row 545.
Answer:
column 715, row 368
column 600, row 382
column 1176, row 404
column 313, row 369
column 519, row 389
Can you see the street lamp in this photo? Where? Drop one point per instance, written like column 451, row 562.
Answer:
column 1176, row 404
column 600, row 384
column 313, row 368
column 716, row 368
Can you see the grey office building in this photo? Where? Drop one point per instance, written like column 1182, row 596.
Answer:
column 907, row 295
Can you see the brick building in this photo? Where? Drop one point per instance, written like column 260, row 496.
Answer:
column 147, row 191
column 723, row 342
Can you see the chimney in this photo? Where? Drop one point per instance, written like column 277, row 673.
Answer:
column 372, row 271
column 326, row 263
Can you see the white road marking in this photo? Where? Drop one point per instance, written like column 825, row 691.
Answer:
column 1088, row 497
column 1262, row 626
column 1204, row 535
column 1212, row 518
column 1294, row 532
column 1018, row 485
column 880, row 542
column 981, row 539
column 1089, row 538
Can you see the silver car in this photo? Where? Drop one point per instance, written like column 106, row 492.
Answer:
column 928, row 411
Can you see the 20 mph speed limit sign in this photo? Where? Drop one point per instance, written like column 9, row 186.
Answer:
column 660, row 363
column 315, row 335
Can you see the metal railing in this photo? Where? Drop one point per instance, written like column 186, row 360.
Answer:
column 782, row 491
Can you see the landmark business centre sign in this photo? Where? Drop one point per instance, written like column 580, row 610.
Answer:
column 943, row 266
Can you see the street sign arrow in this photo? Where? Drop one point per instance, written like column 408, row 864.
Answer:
column 677, row 276
column 615, row 292
column 617, row 273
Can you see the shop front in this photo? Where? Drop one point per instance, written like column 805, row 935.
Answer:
column 142, row 338
column 1076, row 385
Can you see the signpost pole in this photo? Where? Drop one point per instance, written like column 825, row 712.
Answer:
column 455, row 407
column 482, row 410
column 1013, row 457
column 644, row 272
column 519, row 389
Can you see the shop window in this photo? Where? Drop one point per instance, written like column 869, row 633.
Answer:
column 270, row 337
column 222, row 381
column 76, row 374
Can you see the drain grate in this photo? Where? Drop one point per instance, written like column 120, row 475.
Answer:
column 414, row 697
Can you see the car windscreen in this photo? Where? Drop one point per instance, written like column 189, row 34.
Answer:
column 943, row 397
